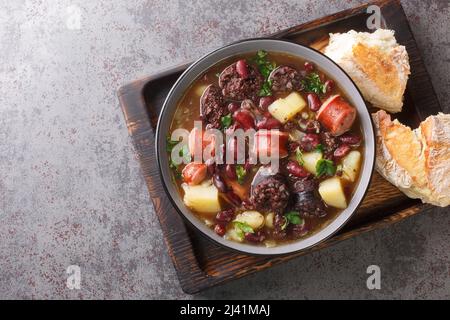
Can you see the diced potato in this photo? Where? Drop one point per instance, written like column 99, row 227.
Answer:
column 203, row 198
column 351, row 165
column 269, row 220
column 200, row 89
column 234, row 235
column 310, row 160
column 332, row 193
column 296, row 101
column 253, row 218
column 285, row 109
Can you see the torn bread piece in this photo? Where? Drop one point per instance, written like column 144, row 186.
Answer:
column 435, row 135
column 376, row 63
column 416, row 161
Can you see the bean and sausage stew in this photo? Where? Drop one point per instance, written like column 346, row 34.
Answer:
column 319, row 148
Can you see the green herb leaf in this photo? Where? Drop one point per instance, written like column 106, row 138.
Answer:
column 185, row 154
column 293, row 217
column 299, row 156
column 319, row 148
column 265, row 67
column 170, row 144
column 225, row 121
column 325, row 167
column 174, row 167
column 312, row 83
column 169, row 147
column 243, row 227
column 266, row 89
column 241, row 173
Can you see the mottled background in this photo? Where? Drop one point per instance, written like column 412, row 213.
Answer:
column 71, row 190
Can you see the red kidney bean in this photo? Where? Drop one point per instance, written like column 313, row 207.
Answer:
column 297, row 170
column 268, row 123
column 329, row 86
column 233, row 107
column 225, row 216
column 350, row 139
column 255, row 237
column 219, row 183
column 234, row 198
column 248, row 166
column 230, row 171
column 309, row 141
column 242, row 69
column 220, row 230
column 264, row 103
column 341, row 151
column 314, row 102
column 309, row 67
column 245, row 118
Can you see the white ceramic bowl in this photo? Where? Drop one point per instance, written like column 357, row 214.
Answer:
column 270, row 45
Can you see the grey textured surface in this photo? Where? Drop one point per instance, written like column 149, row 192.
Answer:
column 71, row 191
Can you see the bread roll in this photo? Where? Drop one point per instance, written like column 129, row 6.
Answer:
column 416, row 161
column 375, row 62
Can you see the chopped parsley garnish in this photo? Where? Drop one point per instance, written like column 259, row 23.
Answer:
column 299, row 156
column 325, row 167
column 184, row 153
column 266, row 89
column 293, row 217
column 240, row 173
column 225, row 121
column 312, row 83
column 319, row 148
column 242, row 228
column 265, row 67
column 170, row 144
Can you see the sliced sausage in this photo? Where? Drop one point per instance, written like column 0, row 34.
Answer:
column 271, row 194
column 212, row 106
column 262, row 145
column 194, row 173
column 238, row 85
column 308, row 205
column 336, row 115
column 285, row 78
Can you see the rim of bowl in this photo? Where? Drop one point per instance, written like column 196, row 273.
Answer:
column 338, row 222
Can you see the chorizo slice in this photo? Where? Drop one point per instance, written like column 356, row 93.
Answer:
column 336, row 115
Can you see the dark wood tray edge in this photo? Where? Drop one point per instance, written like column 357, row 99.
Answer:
column 134, row 90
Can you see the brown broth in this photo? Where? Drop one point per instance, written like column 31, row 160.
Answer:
column 188, row 110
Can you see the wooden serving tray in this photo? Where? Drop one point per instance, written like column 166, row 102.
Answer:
column 199, row 262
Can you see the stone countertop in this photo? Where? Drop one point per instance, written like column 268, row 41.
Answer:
column 71, row 190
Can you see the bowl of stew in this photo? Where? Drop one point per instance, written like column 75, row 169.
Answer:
column 265, row 146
